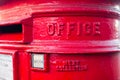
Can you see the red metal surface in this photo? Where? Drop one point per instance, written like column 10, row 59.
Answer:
column 80, row 38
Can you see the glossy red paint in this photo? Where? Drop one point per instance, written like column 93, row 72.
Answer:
column 80, row 38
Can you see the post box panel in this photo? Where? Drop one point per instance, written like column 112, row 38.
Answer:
column 84, row 28
column 8, row 65
column 75, row 27
column 76, row 67
column 77, row 30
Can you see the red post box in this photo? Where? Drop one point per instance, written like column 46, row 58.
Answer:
column 60, row 40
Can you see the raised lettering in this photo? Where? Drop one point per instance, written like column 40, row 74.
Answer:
column 51, row 29
column 61, row 27
column 87, row 28
column 70, row 28
column 77, row 29
column 96, row 28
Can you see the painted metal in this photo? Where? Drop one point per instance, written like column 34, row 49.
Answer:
column 79, row 38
